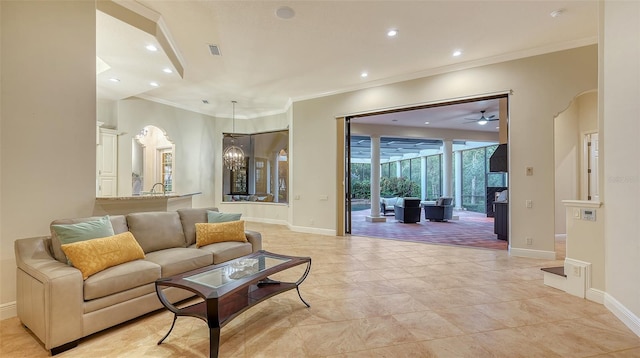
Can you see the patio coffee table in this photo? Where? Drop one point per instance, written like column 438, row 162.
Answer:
column 230, row 288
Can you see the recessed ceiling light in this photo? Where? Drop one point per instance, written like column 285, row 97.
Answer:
column 393, row 120
column 427, row 122
column 114, row 79
column 457, row 53
column 285, row 12
column 151, row 48
column 364, row 74
column 557, row 13
column 392, row 32
column 154, row 84
column 167, row 70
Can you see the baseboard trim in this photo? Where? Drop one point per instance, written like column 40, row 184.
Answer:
column 8, row 310
column 595, row 295
column 534, row 254
column 312, row 230
column 624, row 314
column 267, row 221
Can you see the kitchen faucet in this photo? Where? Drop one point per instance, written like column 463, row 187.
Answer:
column 153, row 188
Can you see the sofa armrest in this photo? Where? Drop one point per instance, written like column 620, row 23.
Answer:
column 49, row 293
column 255, row 238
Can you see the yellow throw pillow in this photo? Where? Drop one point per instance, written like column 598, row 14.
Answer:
column 95, row 255
column 210, row 233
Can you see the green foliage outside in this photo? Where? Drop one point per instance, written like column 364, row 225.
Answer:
column 475, row 178
column 398, row 187
column 361, row 190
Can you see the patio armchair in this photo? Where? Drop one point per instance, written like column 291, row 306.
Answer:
column 442, row 210
column 387, row 204
column 407, row 210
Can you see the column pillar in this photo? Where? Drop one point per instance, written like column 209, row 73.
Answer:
column 375, row 181
column 423, row 178
column 458, row 181
column 447, row 168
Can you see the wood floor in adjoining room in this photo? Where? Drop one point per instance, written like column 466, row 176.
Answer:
column 379, row 298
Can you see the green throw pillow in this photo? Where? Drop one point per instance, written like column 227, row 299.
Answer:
column 216, row 217
column 87, row 230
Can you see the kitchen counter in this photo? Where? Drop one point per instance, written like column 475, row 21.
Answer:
column 122, row 205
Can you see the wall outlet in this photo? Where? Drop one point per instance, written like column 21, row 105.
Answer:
column 529, row 171
column 529, row 204
column 529, row 241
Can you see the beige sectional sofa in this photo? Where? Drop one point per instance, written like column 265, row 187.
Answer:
column 59, row 307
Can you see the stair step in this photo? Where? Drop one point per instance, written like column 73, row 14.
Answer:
column 555, row 270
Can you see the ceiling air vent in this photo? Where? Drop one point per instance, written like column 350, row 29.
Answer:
column 215, row 50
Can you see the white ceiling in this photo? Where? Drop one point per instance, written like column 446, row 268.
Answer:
column 267, row 62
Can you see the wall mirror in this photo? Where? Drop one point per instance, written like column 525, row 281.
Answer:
column 152, row 162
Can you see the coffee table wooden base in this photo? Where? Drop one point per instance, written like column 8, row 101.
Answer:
column 219, row 308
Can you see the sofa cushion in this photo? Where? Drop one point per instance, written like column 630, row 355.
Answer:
column 218, row 217
column 121, row 278
column 189, row 217
column 80, row 231
column 229, row 250
column 389, row 202
column 95, row 255
column 209, row 233
column 156, row 230
column 179, row 260
column 118, row 224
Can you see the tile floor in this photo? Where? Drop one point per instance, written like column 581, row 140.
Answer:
column 380, row 298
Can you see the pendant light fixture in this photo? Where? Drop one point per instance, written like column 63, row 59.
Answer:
column 233, row 156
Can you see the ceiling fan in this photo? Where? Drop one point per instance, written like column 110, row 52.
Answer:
column 484, row 120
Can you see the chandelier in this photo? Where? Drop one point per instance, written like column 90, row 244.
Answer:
column 233, row 156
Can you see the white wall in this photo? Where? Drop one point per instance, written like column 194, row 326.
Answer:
column 569, row 127
column 567, row 158
column 194, row 136
column 542, row 87
column 620, row 132
column 48, row 142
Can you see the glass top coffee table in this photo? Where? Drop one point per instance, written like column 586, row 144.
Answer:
column 230, row 288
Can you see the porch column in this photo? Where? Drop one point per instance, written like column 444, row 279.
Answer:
column 423, row 178
column 375, row 181
column 458, row 193
column 447, row 167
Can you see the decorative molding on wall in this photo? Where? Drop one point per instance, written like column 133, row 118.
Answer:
column 624, row 314
column 534, row 254
column 578, row 277
column 581, row 204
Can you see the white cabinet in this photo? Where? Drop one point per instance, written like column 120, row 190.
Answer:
column 107, row 163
